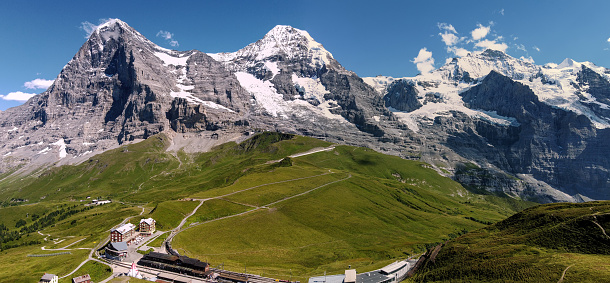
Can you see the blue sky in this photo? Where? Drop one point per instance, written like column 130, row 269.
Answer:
column 368, row 37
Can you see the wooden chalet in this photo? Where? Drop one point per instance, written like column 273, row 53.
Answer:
column 123, row 233
column 147, row 226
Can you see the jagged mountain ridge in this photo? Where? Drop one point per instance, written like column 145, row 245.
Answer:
column 543, row 122
column 121, row 87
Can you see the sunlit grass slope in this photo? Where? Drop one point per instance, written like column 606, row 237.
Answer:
column 375, row 209
column 535, row 245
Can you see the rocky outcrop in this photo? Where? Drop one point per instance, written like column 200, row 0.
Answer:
column 551, row 144
column 402, row 95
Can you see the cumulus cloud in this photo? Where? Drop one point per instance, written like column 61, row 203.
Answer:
column 169, row 37
column 38, row 84
column 608, row 39
column 521, row 47
column 17, row 96
column 536, row 48
column 458, row 51
column 449, row 38
column 448, row 35
column 480, row 32
column 492, row 44
column 424, row 61
column 446, row 27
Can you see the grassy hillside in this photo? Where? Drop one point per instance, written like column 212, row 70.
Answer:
column 375, row 208
column 301, row 216
column 535, row 245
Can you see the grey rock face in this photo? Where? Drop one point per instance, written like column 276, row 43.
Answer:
column 402, row 95
column 551, row 144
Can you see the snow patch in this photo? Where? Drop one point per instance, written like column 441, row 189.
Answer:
column 311, row 88
column 272, row 66
column 45, row 150
column 62, row 148
column 13, row 129
column 264, row 92
column 172, row 60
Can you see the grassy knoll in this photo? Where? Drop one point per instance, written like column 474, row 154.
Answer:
column 168, row 214
column 216, row 208
column 535, row 245
column 283, row 174
column 97, row 271
column 16, row 266
column 271, row 193
column 389, row 208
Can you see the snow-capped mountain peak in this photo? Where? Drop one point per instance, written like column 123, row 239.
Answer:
column 281, row 41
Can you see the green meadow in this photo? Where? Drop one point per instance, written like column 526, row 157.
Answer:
column 535, row 245
column 305, row 216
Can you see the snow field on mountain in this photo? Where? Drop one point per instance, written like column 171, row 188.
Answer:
column 264, row 93
column 172, row 60
column 561, row 93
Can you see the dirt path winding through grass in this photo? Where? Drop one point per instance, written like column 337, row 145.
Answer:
column 600, row 227
column 564, row 274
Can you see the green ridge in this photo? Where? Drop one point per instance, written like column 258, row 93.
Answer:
column 535, row 245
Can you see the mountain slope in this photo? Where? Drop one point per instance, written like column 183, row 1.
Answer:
column 538, row 244
column 542, row 126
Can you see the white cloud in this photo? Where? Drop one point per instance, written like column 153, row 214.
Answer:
column 492, row 44
column 17, row 96
column 165, row 34
column 521, row 47
column 502, row 12
column 536, row 48
column 608, row 39
column 169, row 37
column 446, row 27
column 449, row 38
column 480, row 32
column 458, row 51
column 38, row 84
column 88, row 27
column 424, row 61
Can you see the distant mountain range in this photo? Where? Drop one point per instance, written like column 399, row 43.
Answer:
column 493, row 122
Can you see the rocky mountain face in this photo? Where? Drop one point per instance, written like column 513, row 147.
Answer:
column 488, row 120
column 528, row 130
column 121, row 87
